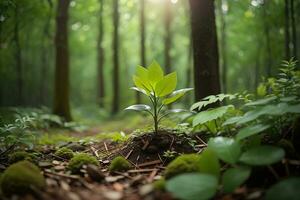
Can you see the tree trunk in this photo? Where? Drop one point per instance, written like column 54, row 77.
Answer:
column 18, row 57
column 268, row 42
column 115, row 100
column 223, row 46
column 294, row 31
column 143, row 47
column 61, row 88
column 168, row 36
column 205, row 49
column 101, row 88
column 287, row 29
column 46, row 37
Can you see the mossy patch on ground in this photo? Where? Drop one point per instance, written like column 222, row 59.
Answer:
column 183, row 164
column 79, row 160
column 20, row 178
column 119, row 164
column 160, row 184
column 64, row 153
column 21, row 155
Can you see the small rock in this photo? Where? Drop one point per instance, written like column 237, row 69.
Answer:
column 94, row 173
column 145, row 189
column 45, row 164
column 59, row 168
column 111, row 179
column 55, row 162
column 75, row 147
column 113, row 195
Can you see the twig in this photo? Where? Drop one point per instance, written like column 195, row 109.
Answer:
column 273, row 172
column 120, row 173
column 201, row 140
column 106, row 147
column 95, row 151
column 62, row 175
column 150, row 163
column 128, row 154
column 141, row 170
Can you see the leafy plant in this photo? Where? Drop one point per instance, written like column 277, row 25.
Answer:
column 159, row 88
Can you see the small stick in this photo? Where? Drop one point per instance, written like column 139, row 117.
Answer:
column 201, row 140
column 273, row 172
column 62, row 175
column 150, row 163
column 106, row 147
column 152, row 175
column 95, row 151
column 122, row 174
column 129, row 153
column 140, row 170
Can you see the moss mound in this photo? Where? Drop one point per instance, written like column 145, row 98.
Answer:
column 64, row 153
column 19, row 178
column 160, row 184
column 79, row 160
column 183, row 164
column 21, row 155
column 119, row 164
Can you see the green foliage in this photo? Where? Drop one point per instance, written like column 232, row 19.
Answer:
column 79, row 160
column 119, row 164
column 193, row 186
column 64, row 153
column 21, row 155
column 234, row 177
column 286, row 189
column 160, row 184
column 262, row 155
column 159, row 88
column 20, row 177
column 209, row 162
column 183, row 164
column 227, row 149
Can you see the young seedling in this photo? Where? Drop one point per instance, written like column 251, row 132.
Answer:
column 159, row 88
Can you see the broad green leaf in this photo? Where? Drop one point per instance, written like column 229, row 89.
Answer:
column 139, row 107
column 232, row 120
column 167, row 85
column 199, row 105
column 293, row 108
column 227, row 149
column 251, row 130
column 263, row 101
column 176, row 95
column 142, row 84
column 209, row 163
column 177, row 110
column 234, row 177
column 155, row 73
column 288, row 189
column 209, row 115
column 142, row 72
column 139, row 90
column 193, row 186
column 262, row 155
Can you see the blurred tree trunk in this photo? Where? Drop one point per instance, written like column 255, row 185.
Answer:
column 46, row 37
column 61, row 88
column 294, row 30
column 223, row 45
column 268, row 42
column 100, row 60
column 18, row 57
column 168, row 35
column 287, row 29
column 143, row 38
column 115, row 100
column 205, row 49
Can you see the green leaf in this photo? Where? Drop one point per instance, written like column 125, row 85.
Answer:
column 176, row 95
column 142, row 84
column 234, row 177
column 262, row 155
column 177, row 110
column 193, row 186
column 209, row 115
column 142, row 72
column 227, row 149
column 209, row 163
column 232, row 120
column 263, row 101
column 167, row 85
column 139, row 107
column 139, row 90
column 155, row 73
column 288, row 189
column 251, row 130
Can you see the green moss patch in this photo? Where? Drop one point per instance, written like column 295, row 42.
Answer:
column 183, row 164
column 79, row 160
column 20, row 178
column 21, row 155
column 160, row 184
column 119, row 164
column 64, row 153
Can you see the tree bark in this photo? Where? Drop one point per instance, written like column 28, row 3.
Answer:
column 143, row 39
column 223, row 46
column 205, row 49
column 268, row 42
column 18, row 57
column 287, row 29
column 168, row 36
column 61, row 87
column 294, row 30
column 115, row 100
column 100, row 60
